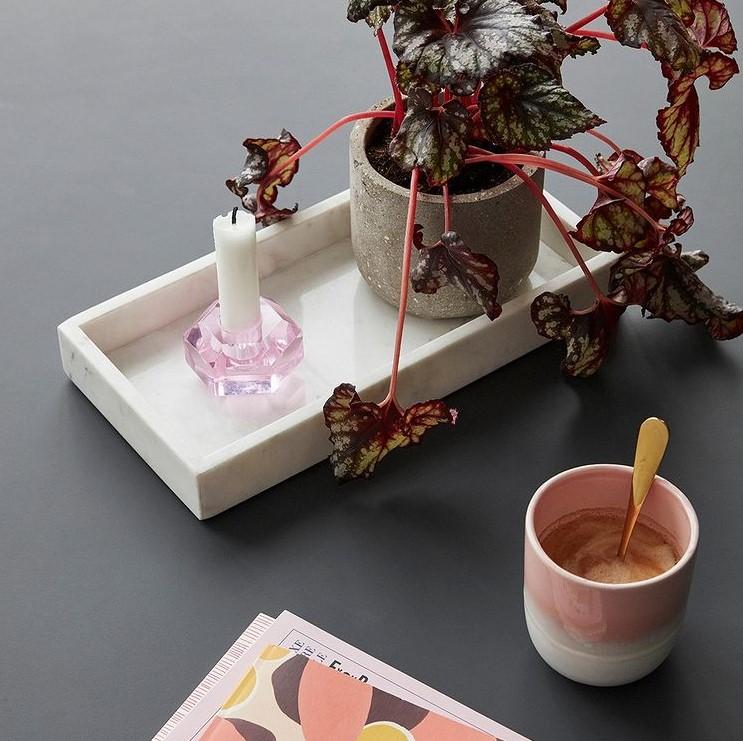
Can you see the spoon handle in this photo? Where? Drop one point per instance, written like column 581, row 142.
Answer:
column 652, row 440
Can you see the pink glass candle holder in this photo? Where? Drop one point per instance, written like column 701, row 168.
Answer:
column 250, row 361
column 243, row 343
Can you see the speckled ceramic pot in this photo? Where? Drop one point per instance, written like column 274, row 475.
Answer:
column 502, row 222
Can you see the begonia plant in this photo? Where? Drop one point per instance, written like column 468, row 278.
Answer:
column 479, row 81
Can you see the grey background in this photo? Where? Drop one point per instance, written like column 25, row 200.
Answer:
column 118, row 125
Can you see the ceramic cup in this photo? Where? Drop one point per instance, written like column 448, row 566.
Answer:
column 605, row 634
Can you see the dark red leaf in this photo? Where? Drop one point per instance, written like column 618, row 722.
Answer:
column 447, row 7
column 362, row 433
column 611, row 225
column 525, row 107
column 577, row 46
column 489, row 34
column 564, row 44
column 254, row 168
column 264, row 157
column 695, row 260
column 678, row 124
column 650, row 182
column 627, row 177
column 433, row 138
column 661, row 180
column 682, row 222
column 449, row 261
column 654, row 24
column 683, row 9
column 374, row 12
column 711, row 27
column 664, row 283
column 587, row 333
column 607, row 164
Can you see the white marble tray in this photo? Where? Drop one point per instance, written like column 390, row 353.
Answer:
column 126, row 356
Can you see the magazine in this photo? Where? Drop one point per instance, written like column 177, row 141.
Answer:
column 301, row 638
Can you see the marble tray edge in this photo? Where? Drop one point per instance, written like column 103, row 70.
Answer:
column 212, row 483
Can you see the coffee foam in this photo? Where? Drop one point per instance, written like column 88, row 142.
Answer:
column 586, row 542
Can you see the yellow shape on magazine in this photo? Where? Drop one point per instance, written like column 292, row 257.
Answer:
column 384, row 731
column 242, row 691
column 260, row 706
column 274, row 653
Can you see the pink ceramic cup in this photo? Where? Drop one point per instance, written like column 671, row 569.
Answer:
column 605, row 634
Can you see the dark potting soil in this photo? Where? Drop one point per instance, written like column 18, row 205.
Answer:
column 472, row 179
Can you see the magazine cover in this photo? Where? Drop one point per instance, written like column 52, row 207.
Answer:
column 287, row 697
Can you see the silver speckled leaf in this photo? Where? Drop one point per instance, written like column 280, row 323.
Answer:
column 451, row 262
column 378, row 17
column 664, row 283
column 563, row 44
column 489, row 34
column 434, row 139
column 526, row 108
column 374, row 12
column 611, row 225
column 363, row 433
column 254, row 169
column 587, row 333
column 269, row 165
column 653, row 23
column 448, row 8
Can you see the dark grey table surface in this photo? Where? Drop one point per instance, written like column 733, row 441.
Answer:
column 119, row 123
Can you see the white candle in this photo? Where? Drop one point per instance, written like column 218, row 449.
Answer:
column 237, row 271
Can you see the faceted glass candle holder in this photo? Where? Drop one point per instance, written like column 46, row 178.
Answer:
column 252, row 361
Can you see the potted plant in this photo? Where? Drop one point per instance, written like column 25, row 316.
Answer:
column 477, row 106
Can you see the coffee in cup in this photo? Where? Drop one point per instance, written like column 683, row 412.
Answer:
column 586, row 543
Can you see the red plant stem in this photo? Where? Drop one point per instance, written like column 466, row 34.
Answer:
column 404, row 285
column 389, row 64
column 479, row 150
column 445, row 23
column 584, row 21
column 530, row 159
column 576, row 155
column 604, row 138
column 547, row 206
column 607, row 35
column 447, row 207
column 312, row 143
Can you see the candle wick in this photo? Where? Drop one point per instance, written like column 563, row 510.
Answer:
column 234, row 215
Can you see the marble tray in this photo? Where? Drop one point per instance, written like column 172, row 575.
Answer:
column 126, row 356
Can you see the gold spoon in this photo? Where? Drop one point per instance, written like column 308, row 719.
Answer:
column 652, row 440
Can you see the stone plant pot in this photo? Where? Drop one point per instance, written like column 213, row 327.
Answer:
column 501, row 222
